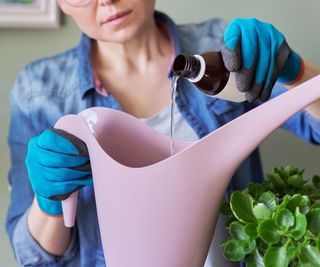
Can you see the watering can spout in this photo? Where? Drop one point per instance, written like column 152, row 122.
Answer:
column 246, row 132
column 170, row 202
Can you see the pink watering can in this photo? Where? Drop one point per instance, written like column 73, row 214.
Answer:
column 158, row 210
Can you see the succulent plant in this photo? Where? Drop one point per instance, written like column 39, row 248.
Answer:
column 275, row 223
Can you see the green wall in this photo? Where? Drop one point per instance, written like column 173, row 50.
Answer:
column 298, row 20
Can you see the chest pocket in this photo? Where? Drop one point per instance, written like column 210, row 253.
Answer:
column 226, row 110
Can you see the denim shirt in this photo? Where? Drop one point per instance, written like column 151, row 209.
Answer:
column 50, row 88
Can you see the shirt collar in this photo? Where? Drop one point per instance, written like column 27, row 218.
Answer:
column 85, row 70
column 167, row 22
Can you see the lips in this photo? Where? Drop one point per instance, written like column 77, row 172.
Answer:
column 116, row 16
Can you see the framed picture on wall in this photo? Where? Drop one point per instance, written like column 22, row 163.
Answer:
column 29, row 14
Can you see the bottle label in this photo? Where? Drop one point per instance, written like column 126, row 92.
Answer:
column 230, row 92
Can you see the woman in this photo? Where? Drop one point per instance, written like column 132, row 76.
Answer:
column 123, row 61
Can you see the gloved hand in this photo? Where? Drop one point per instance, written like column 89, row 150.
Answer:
column 259, row 54
column 58, row 164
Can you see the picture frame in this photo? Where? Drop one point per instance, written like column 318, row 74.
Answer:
column 29, row 14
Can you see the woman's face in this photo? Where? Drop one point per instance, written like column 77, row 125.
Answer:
column 112, row 21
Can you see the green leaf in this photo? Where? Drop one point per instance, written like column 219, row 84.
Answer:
column 305, row 201
column 308, row 189
column 294, row 202
column 233, row 250
column 300, row 226
column 304, row 209
column 316, row 181
column 255, row 260
column 305, row 265
column 296, row 181
column 261, row 211
column 284, row 202
column 313, row 219
column 268, row 232
column 290, row 170
column 276, row 257
column 229, row 221
column 242, row 206
column 225, row 209
column 269, row 199
column 284, row 219
column 256, row 190
column 311, row 254
column 304, row 205
column 315, row 205
column 315, row 196
column 309, row 235
column 318, row 242
column 249, row 245
column 276, row 181
column 290, row 190
column 281, row 172
column 292, row 251
column 237, row 231
column 251, row 230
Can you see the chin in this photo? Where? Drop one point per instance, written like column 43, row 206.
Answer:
column 119, row 37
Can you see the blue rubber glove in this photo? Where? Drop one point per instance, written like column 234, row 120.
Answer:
column 58, row 164
column 260, row 55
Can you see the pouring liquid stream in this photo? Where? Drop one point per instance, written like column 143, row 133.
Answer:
column 173, row 98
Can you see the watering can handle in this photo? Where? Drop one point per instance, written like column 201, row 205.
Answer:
column 72, row 124
column 69, row 207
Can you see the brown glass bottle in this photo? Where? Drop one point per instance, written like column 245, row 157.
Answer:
column 208, row 73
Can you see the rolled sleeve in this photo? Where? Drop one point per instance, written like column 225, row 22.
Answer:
column 314, row 123
column 302, row 123
column 29, row 253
